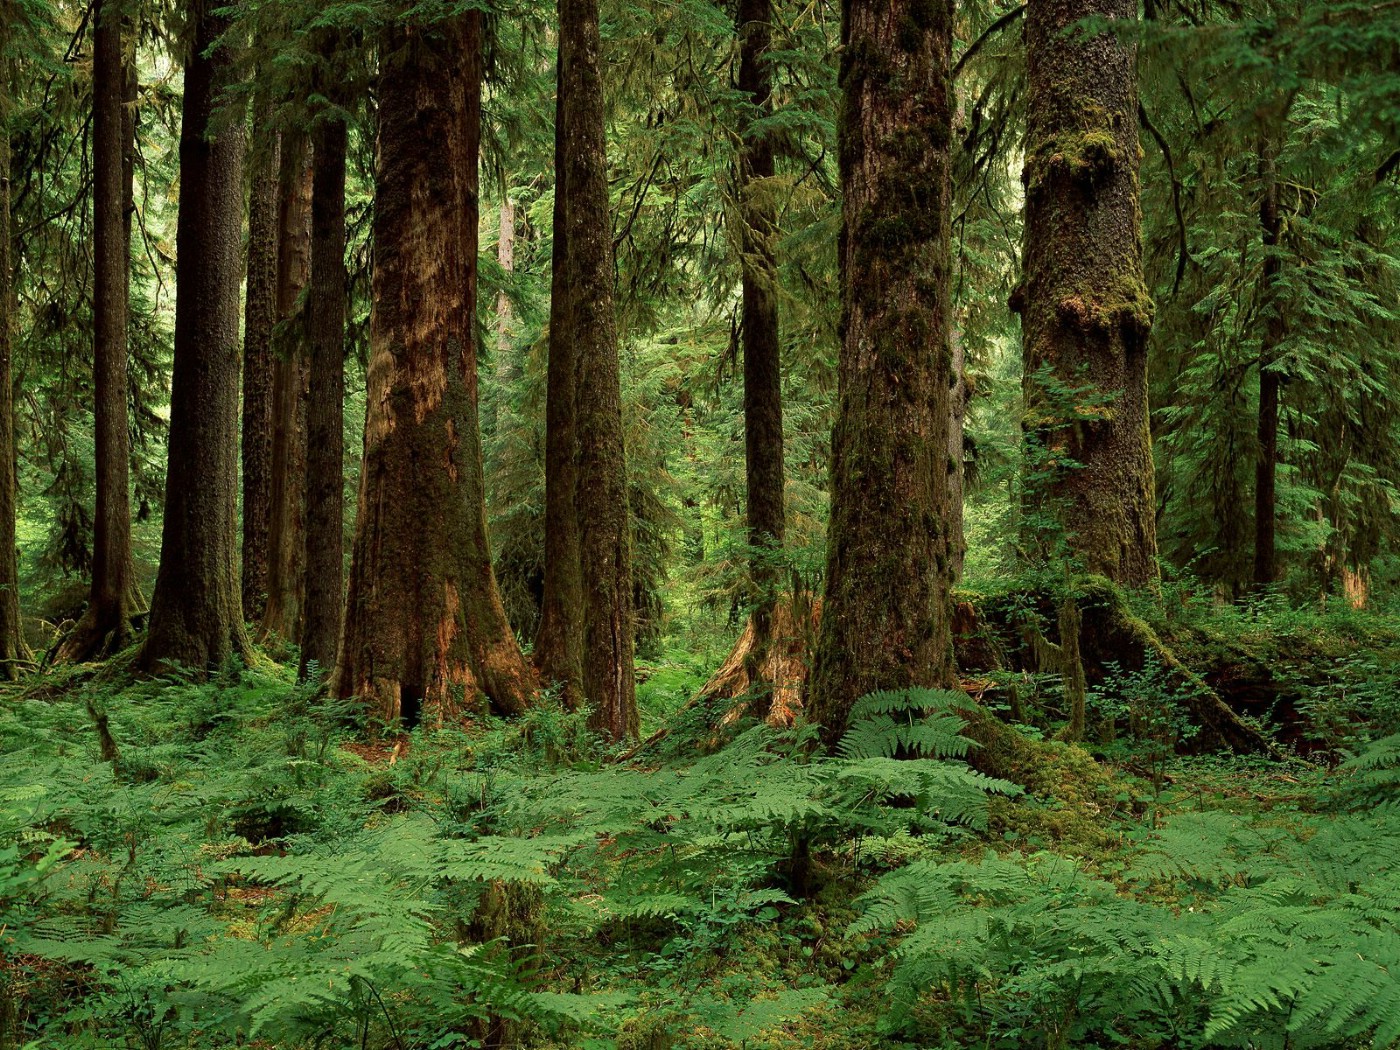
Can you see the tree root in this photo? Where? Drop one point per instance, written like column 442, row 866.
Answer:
column 1003, row 634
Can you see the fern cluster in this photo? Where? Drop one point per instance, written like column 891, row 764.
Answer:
column 1220, row 932
column 236, row 874
column 245, row 872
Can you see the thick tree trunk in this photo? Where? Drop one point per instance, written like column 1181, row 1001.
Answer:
column 1270, row 381
column 13, row 651
column 600, row 497
column 763, row 388
column 424, row 621
column 559, row 640
column 885, row 617
column 1085, row 310
column 259, row 317
column 196, row 609
column 325, row 460
column 105, row 625
column 286, row 523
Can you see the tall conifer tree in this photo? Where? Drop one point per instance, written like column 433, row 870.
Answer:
column 196, row 609
column 1085, row 309
column 885, row 616
column 105, row 624
column 423, row 620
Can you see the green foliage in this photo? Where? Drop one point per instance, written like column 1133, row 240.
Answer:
column 1286, row 942
column 245, row 870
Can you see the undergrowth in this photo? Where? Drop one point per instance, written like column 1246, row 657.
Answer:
column 249, row 871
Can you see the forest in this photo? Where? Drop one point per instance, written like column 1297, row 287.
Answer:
column 699, row 524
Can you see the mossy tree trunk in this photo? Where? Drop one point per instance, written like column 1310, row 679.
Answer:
column 1270, row 379
column 958, row 399
column 424, row 621
column 1085, row 310
column 105, row 624
column 559, row 639
column 747, row 674
column 600, row 491
column 13, row 651
column 763, row 388
column 196, row 608
column 325, row 459
column 259, row 317
column 286, row 524
column 885, row 617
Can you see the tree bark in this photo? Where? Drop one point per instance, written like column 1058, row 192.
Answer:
column 424, row 621
column 559, row 639
column 286, row 523
column 105, row 625
column 1085, row 310
column 325, row 459
column 885, row 617
column 505, row 256
column 763, row 388
column 600, row 496
column 13, row 650
column 259, row 317
column 1270, row 381
column 958, row 399
column 196, row 610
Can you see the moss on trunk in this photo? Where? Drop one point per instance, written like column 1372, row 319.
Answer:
column 559, row 639
column 885, row 611
column 1085, row 309
column 424, row 623
column 600, row 493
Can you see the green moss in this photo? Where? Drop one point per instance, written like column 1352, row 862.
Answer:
column 649, row 1031
column 1126, row 305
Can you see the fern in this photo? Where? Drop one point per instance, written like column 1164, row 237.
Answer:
column 1306, row 945
column 911, row 722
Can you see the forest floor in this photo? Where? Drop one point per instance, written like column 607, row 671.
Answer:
column 252, row 870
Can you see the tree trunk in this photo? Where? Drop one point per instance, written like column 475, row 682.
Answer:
column 957, row 408
column 286, row 523
column 1085, row 310
column 105, row 625
column 325, row 459
column 424, row 620
column 559, row 640
column 505, row 256
column 885, row 617
column 600, row 496
column 746, row 676
column 259, row 317
column 13, row 651
column 1270, row 381
column 196, row 609
column 763, row 388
